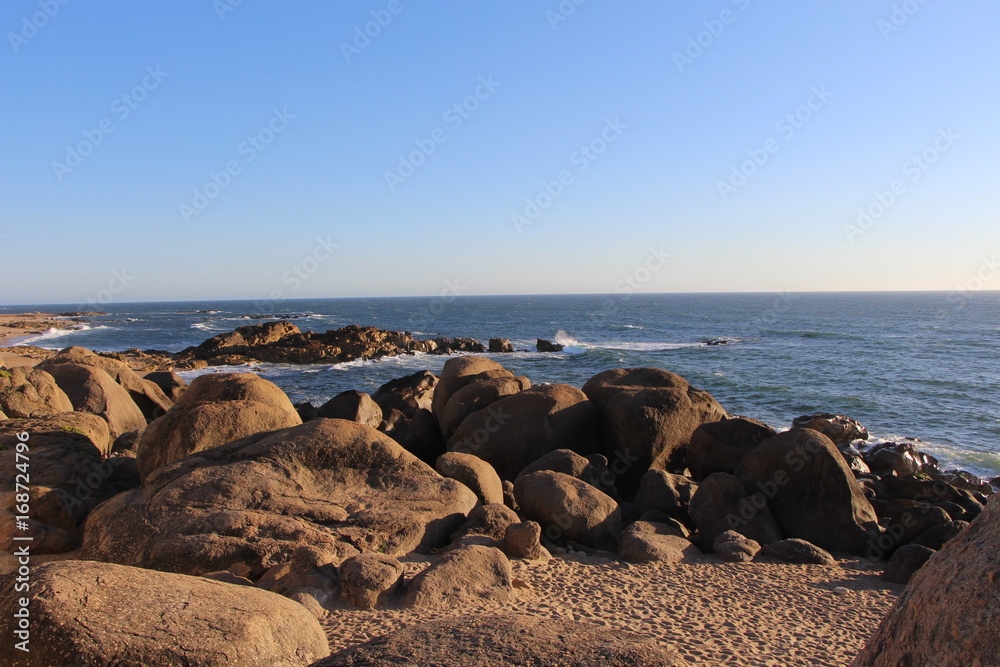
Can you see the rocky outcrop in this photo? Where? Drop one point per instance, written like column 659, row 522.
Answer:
column 475, row 473
column 214, row 410
column 487, row 520
column 369, row 580
column 92, row 390
column 310, row 578
column 648, row 542
column 147, row 395
column 720, row 446
column 591, row 469
column 457, row 373
column 665, row 492
column 523, row 540
column 505, row 640
column 647, row 418
column 569, row 509
column 950, row 610
column 733, row 547
column 515, row 431
column 170, row 383
column 500, row 345
column 252, row 502
column 354, row 406
column 840, row 429
column 905, row 562
column 27, row 393
column 477, row 395
column 407, row 394
column 810, row 491
column 469, row 574
column 543, row 345
column 721, row 504
column 91, row 613
column 794, row 550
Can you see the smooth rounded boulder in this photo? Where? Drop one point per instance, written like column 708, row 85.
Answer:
column 215, row 409
column 475, row 473
column 252, row 502
column 92, row 390
column 477, row 395
column 29, row 392
column 370, row 579
column 458, row 372
column 811, row 492
column 647, row 417
column 505, row 640
column 91, row 613
column 721, row 504
column 407, row 394
column 515, row 431
column 950, row 611
column 354, row 406
column 467, row 574
column 569, row 509
column 720, row 446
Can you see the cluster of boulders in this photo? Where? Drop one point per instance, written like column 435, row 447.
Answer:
column 283, row 342
column 227, row 481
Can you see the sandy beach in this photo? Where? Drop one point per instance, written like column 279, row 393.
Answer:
column 19, row 326
column 712, row 613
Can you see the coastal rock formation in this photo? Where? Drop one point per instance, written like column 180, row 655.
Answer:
column 147, row 395
column 457, row 373
column 648, row 542
column 475, row 473
column 487, row 520
column 407, row 394
column 500, row 345
column 721, row 504
column 905, row 562
column 418, row 435
column 91, row 613
column 505, row 640
column 733, row 547
column 569, row 509
column 354, row 406
column 467, row 574
column 794, row 550
column 543, row 345
column 720, row 446
column 810, row 491
column 369, row 580
column 840, row 429
column 647, row 418
column 591, row 469
column 310, row 578
column 215, row 409
column 476, row 395
column 523, row 540
column 950, row 610
column 252, row 502
column 170, row 383
column 92, row 390
column 27, row 393
column 665, row 492
column 516, row 430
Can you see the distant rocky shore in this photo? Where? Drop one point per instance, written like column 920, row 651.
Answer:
column 268, row 515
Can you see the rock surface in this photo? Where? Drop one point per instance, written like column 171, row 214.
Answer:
column 505, row 640
column 99, row 614
column 469, row 574
column 720, row 446
column 370, row 579
column 648, row 542
column 720, row 504
column 569, row 509
column 647, row 418
column 333, row 484
column 950, row 611
column 92, row 390
column 27, row 393
column 475, row 473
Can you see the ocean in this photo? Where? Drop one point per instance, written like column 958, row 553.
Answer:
column 921, row 365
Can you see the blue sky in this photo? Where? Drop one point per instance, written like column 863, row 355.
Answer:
column 200, row 149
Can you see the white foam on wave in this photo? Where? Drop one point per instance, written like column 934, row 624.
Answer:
column 53, row 333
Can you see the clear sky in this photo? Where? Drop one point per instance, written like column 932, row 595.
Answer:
column 229, row 149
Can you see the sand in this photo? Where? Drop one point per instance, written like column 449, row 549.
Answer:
column 18, row 326
column 712, row 613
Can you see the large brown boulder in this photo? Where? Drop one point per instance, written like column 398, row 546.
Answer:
column 147, row 395
column 465, row 575
column 647, row 417
column 950, row 611
column 354, row 406
column 172, row 384
column 720, row 446
column 475, row 473
column 505, row 640
column 648, row 542
column 591, row 469
column 840, row 429
column 91, row 389
column 370, row 579
column 460, row 371
column 721, row 504
column 215, row 409
column 664, row 491
column 333, row 484
column 266, row 333
column 26, row 392
column 516, row 430
column 69, row 477
column 407, row 394
column 569, row 509
column 475, row 396
column 810, row 491
column 86, row 613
